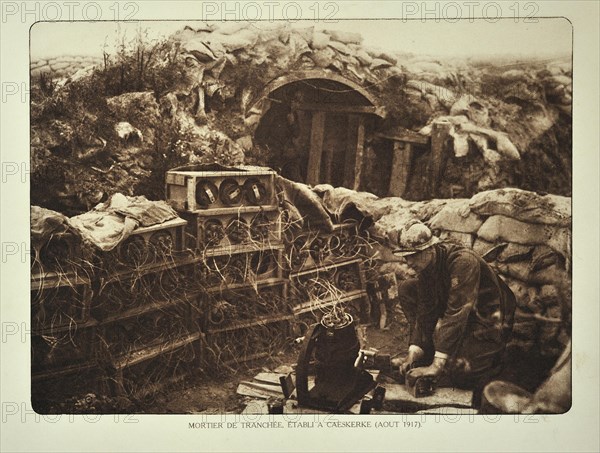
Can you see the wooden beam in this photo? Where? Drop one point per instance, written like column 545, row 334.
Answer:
column 439, row 134
column 335, row 108
column 401, row 161
column 405, row 137
column 360, row 148
column 350, row 158
column 317, row 134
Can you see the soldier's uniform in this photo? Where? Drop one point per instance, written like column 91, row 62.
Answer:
column 459, row 307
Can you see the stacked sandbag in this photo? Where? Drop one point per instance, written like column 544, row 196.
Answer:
column 61, row 66
column 525, row 236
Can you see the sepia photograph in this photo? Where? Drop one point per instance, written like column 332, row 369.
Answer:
column 300, row 220
column 275, row 218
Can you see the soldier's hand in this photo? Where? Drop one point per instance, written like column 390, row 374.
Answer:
column 414, row 353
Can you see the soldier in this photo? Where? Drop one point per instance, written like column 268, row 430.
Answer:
column 459, row 310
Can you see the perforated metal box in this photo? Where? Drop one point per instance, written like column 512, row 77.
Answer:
column 196, row 190
column 156, row 244
column 311, row 249
column 230, row 349
column 242, row 266
column 327, row 282
column 231, row 228
column 243, row 306
column 60, row 253
column 122, row 336
column 56, row 348
column 60, row 303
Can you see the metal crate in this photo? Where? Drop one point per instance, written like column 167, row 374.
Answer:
column 156, row 244
column 66, row 304
column 61, row 253
column 243, row 306
column 116, row 298
column 192, row 191
column 58, row 348
column 242, row 267
column 146, row 371
column 327, row 282
column 230, row 349
column 228, row 229
column 314, row 248
column 123, row 336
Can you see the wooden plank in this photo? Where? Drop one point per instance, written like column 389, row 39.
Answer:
column 310, row 306
column 235, row 210
column 257, row 390
column 439, row 134
column 160, row 226
column 153, row 351
column 448, row 410
column 328, row 153
column 398, row 398
column 335, row 108
column 254, row 322
column 268, row 378
column 317, row 134
column 350, row 158
column 401, row 161
column 51, row 280
column 407, row 137
column 327, row 267
column 360, row 149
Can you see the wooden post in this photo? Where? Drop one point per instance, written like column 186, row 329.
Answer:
column 317, row 134
column 350, row 158
column 360, row 148
column 401, row 161
column 439, row 134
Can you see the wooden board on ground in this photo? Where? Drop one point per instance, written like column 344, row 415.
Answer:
column 399, row 399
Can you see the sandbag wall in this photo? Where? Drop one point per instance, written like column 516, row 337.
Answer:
column 526, row 237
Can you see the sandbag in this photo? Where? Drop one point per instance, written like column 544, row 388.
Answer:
column 464, row 239
column 503, row 144
column 456, row 216
column 481, row 247
column 425, row 210
column 501, row 228
column 303, row 205
column 513, row 253
column 104, row 230
column 112, row 222
column 389, row 226
column 319, row 40
column 522, row 271
column 45, row 223
column 523, row 205
column 347, row 37
column 337, row 200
